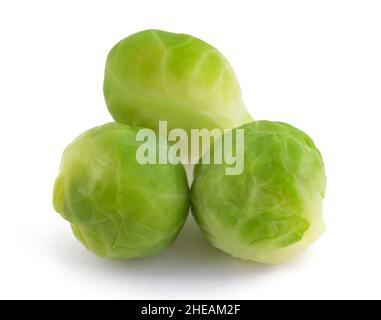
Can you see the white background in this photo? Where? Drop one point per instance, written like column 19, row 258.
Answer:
column 314, row 64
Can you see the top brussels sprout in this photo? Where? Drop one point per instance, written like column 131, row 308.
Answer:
column 117, row 207
column 273, row 210
column 155, row 75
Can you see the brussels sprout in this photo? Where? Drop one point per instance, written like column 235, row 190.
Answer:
column 155, row 75
column 273, row 210
column 117, row 207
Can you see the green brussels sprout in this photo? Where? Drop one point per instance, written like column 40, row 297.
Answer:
column 155, row 75
column 117, row 207
column 273, row 210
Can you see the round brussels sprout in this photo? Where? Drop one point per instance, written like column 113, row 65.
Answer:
column 273, row 210
column 117, row 207
column 155, row 75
